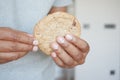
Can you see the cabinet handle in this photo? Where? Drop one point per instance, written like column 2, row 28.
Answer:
column 109, row 26
column 112, row 72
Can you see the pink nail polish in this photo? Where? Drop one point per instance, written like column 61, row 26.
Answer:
column 35, row 42
column 53, row 54
column 35, row 48
column 55, row 46
column 61, row 40
column 69, row 37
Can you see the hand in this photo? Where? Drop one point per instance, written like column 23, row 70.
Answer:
column 69, row 51
column 14, row 44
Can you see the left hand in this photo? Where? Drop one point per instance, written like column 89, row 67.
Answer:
column 69, row 51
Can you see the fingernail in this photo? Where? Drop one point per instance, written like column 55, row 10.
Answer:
column 35, row 48
column 53, row 54
column 35, row 42
column 55, row 46
column 69, row 37
column 61, row 40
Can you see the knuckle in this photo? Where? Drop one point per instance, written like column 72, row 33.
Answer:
column 85, row 47
column 16, row 36
column 29, row 40
column 85, row 54
column 21, row 54
column 14, row 46
column 69, row 62
column 15, row 57
column 78, row 57
column 76, row 63
column 82, row 61
column 61, row 64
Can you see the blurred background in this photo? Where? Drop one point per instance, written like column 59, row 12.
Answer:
column 100, row 23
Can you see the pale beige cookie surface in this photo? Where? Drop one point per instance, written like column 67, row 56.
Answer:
column 53, row 25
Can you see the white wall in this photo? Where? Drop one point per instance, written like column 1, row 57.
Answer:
column 104, row 55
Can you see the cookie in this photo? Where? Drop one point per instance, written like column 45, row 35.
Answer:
column 53, row 25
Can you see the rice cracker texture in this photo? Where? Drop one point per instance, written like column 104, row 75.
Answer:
column 53, row 25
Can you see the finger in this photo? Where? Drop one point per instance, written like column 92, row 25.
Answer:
column 8, row 46
column 8, row 56
column 60, row 63
column 35, row 49
column 4, row 61
column 73, row 51
column 81, row 44
column 14, row 35
column 57, row 60
column 72, row 66
column 66, row 59
column 20, row 54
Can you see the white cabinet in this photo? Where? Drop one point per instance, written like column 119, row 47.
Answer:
column 100, row 20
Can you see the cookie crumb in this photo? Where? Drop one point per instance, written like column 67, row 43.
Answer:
column 74, row 23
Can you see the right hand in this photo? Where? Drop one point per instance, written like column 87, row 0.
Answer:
column 14, row 44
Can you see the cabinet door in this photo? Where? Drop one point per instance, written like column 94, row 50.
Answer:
column 100, row 21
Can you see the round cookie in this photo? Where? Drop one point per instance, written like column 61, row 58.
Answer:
column 53, row 25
